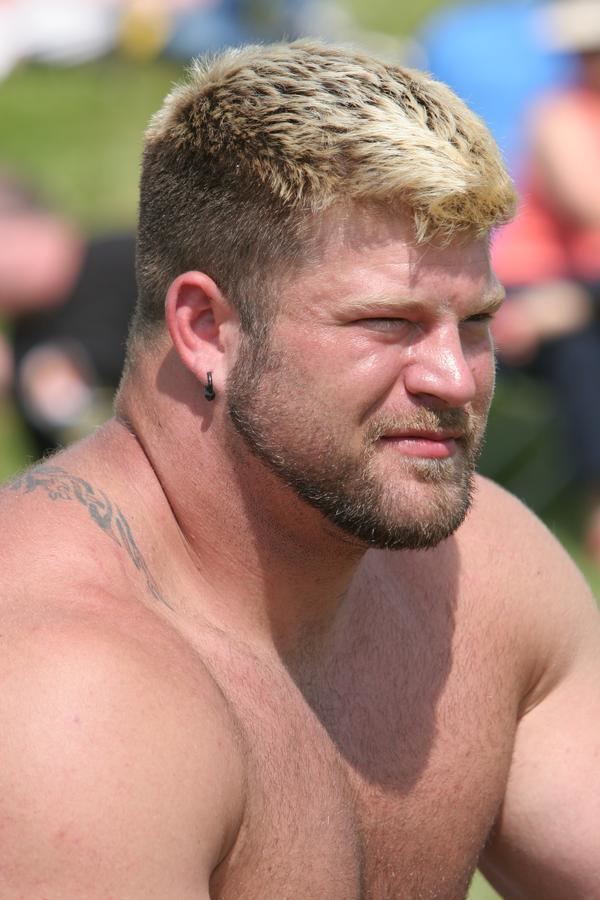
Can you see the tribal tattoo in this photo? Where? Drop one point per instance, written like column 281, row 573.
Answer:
column 61, row 485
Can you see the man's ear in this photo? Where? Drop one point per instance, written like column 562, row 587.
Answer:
column 200, row 320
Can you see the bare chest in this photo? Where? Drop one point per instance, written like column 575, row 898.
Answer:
column 380, row 780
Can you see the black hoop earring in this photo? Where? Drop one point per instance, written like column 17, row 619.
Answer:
column 209, row 391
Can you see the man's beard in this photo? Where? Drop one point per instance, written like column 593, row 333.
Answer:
column 268, row 409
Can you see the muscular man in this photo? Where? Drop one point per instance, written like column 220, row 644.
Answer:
column 265, row 635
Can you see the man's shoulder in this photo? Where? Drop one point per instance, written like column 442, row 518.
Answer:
column 86, row 514
column 52, row 495
column 496, row 531
column 53, row 553
column 508, row 581
column 96, row 707
column 73, row 586
column 80, row 621
column 500, row 522
column 101, row 649
column 509, row 546
column 538, row 595
column 111, row 711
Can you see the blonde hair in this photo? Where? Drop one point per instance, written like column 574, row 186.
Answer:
column 260, row 139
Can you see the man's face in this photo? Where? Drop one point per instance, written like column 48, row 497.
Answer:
column 371, row 398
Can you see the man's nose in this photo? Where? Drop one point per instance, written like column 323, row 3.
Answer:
column 439, row 370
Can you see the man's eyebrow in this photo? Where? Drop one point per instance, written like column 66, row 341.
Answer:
column 378, row 303
column 382, row 303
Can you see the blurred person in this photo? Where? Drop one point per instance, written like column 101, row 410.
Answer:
column 549, row 257
column 266, row 633
column 40, row 255
column 40, row 252
column 69, row 359
column 68, row 300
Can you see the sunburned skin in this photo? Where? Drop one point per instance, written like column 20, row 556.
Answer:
column 360, row 790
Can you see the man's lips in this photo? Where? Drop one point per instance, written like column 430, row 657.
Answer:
column 429, row 444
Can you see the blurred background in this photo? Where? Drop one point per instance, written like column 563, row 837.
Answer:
column 79, row 80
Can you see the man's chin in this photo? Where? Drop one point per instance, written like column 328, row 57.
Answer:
column 415, row 536
column 421, row 519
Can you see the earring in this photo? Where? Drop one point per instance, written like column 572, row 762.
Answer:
column 209, row 391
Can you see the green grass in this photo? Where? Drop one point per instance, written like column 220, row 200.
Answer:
column 77, row 133
column 14, row 449
column 392, row 17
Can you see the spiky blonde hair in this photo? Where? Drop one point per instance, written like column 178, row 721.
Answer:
column 261, row 139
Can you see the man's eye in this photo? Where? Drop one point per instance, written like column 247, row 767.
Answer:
column 383, row 324
column 484, row 318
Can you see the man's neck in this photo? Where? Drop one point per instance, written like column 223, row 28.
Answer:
column 267, row 566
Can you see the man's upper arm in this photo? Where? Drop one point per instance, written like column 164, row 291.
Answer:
column 547, row 840
column 114, row 782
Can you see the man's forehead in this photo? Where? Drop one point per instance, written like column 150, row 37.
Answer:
column 359, row 252
column 368, row 231
column 356, row 226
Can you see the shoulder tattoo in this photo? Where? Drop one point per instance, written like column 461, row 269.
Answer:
column 61, row 485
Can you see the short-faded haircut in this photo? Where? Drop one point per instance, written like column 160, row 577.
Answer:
column 260, row 140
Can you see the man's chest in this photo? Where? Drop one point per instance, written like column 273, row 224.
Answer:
column 373, row 782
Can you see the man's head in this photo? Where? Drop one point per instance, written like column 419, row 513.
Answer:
column 243, row 157
column 269, row 172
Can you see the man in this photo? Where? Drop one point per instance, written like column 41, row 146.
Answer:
column 253, row 645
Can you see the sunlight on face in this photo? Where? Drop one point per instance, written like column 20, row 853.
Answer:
column 374, row 414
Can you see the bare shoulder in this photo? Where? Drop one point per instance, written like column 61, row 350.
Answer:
column 87, row 513
column 121, row 770
column 506, row 540
column 535, row 586
column 514, row 543
column 545, row 839
column 508, row 580
column 53, row 502
column 492, row 500
column 121, row 766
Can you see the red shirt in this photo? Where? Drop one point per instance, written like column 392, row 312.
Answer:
column 543, row 242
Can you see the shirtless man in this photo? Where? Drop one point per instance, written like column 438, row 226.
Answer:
column 253, row 647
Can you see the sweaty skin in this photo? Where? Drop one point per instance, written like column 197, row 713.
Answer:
column 210, row 690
